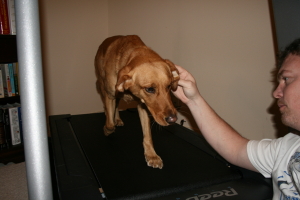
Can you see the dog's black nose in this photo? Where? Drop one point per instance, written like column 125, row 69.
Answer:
column 171, row 119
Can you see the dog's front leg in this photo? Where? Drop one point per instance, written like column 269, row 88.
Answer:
column 110, row 106
column 118, row 120
column 152, row 159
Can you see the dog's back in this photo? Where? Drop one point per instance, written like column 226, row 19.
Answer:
column 112, row 55
column 118, row 48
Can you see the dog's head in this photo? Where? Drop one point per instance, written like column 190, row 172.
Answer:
column 151, row 82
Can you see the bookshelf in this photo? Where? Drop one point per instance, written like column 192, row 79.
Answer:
column 8, row 54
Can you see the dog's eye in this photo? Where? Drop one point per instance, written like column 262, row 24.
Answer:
column 150, row 90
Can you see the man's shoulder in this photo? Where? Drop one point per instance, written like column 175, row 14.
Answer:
column 291, row 137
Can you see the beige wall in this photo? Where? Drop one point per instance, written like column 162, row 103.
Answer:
column 71, row 33
column 226, row 44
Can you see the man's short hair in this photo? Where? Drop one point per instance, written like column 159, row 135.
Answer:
column 293, row 48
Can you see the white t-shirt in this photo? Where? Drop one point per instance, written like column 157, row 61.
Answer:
column 279, row 159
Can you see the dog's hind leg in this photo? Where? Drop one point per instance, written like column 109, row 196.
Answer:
column 152, row 159
column 109, row 108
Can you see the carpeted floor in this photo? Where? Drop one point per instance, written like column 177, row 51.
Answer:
column 13, row 182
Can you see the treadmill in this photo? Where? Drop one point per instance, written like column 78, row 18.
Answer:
column 90, row 165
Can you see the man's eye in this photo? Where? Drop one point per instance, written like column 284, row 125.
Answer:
column 150, row 90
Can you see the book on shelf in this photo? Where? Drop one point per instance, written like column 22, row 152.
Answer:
column 4, row 18
column 6, row 80
column 18, row 106
column 9, row 81
column 12, row 16
column 5, row 119
column 7, row 17
column 3, row 140
column 11, row 132
column 12, row 79
column 16, row 77
column 2, row 95
column 14, row 125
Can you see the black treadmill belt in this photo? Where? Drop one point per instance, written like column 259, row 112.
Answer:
column 119, row 164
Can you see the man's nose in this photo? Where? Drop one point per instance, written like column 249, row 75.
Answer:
column 278, row 92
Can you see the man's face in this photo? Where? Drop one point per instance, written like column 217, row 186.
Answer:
column 288, row 91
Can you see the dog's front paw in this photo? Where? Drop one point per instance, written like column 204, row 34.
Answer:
column 154, row 161
column 108, row 131
column 119, row 122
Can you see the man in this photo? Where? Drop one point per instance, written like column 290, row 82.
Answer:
column 278, row 158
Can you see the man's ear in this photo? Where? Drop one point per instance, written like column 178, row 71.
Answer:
column 175, row 75
column 124, row 80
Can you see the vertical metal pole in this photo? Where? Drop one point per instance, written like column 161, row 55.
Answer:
column 32, row 100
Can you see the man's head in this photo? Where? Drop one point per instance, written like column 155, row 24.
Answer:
column 293, row 48
column 288, row 90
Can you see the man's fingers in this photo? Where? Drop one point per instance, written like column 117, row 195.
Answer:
column 185, row 83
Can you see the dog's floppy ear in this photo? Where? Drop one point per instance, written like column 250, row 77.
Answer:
column 175, row 75
column 124, row 80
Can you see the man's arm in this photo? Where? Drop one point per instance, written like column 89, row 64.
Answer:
column 220, row 135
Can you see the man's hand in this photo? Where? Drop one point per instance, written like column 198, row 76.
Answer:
column 187, row 88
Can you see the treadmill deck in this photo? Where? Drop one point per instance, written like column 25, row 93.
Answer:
column 192, row 170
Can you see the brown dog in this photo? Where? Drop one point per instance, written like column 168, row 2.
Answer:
column 127, row 69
